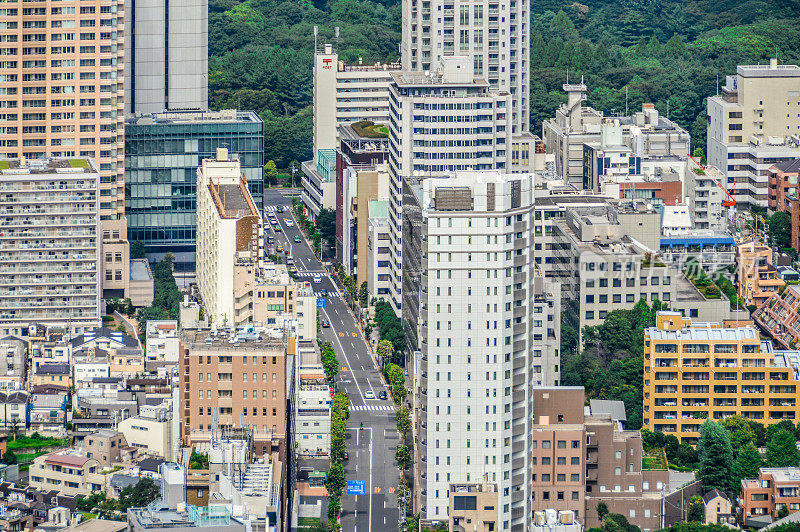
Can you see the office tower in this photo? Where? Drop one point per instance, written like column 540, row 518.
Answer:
column 166, row 64
column 232, row 383
column 576, row 127
column 753, row 124
column 61, row 92
column 484, row 328
column 697, row 371
column 162, row 154
column 493, row 35
column 49, row 245
column 440, row 122
column 229, row 236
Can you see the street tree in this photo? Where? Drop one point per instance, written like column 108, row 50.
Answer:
column 696, row 511
column 403, row 457
column 385, row 351
column 403, row 419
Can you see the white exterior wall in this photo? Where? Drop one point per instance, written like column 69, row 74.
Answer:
column 162, row 344
column 84, row 372
column 216, row 243
column 378, row 239
column 153, row 436
column 493, row 35
column 313, row 422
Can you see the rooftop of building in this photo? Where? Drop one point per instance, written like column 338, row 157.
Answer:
column 231, row 200
column 770, row 70
column 227, row 339
column 365, row 136
column 781, row 474
column 700, row 331
column 104, row 332
column 67, row 457
column 48, row 165
column 193, row 117
column 788, row 167
column 407, row 79
column 53, row 369
column 140, row 270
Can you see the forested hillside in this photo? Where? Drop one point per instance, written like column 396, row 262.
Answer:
column 669, row 52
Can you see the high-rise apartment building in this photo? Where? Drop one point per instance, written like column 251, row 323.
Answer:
column 441, row 122
column 49, row 245
column 232, row 382
column 484, row 328
column 492, row 35
column 162, row 154
column 61, row 95
column 166, row 63
column 229, row 236
column 753, row 124
column 697, row 371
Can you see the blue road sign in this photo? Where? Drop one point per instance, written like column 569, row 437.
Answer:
column 356, row 487
column 320, row 302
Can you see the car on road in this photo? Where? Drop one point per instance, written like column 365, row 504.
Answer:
column 288, row 222
column 279, row 249
column 271, row 239
column 297, row 239
column 383, row 395
column 279, row 208
column 369, row 394
column 323, row 293
column 325, row 324
column 346, row 456
column 317, row 279
column 276, row 228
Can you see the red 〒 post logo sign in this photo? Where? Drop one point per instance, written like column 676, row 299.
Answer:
column 327, row 63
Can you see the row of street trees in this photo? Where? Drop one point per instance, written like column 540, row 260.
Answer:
column 336, row 479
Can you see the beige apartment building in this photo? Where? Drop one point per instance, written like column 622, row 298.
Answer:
column 229, row 235
column 756, row 278
column 232, row 382
column 61, row 95
column 69, row 471
column 752, row 124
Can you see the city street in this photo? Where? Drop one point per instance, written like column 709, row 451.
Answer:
column 372, row 447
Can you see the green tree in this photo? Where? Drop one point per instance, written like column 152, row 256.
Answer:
column 336, row 479
column 746, row 465
column 696, row 511
column 363, row 294
column 271, row 173
column 403, row 418
column 783, row 512
column 740, row 430
column 780, row 229
column 385, row 351
column 9, row 458
column 138, row 495
column 326, row 224
column 716, row 456
column 602, row 510
column 782, row 450
column 403, row 457
column 137, row 250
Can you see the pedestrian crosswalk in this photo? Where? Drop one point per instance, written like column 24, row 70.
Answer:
column 360, row 408
column 312, row 273
column 273, row 208
column 319, row 294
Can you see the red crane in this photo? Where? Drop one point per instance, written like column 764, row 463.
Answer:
column 730, row 202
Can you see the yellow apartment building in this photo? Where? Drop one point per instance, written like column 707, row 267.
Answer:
column 696, row 371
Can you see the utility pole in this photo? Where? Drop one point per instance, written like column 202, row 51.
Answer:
column 293, row 171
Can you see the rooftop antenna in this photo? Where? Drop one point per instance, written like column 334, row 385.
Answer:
column 626, row 100
column 337, row 39
column 717, row 83
column 316, row 32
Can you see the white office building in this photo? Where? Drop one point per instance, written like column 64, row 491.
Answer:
column 484, row 328
column 492, row 35
column 439, row 123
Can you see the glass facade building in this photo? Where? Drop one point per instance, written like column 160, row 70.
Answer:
column 162, row 154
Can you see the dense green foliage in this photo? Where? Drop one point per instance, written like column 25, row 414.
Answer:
column 329, row 361
column 166, row 296
column 390, row 329
column 716, row 456
column 668, row 52
column 782, row 450
column 611, row 363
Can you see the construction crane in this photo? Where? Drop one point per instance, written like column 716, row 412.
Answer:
column 730, row 202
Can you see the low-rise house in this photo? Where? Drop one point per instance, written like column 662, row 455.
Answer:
column 103, row 338
column 718, row 509
column 59, row 374
column 48, row 412
column 162, row 340
column 14, row 409
column 12, row 363
column 152, row 431
column 106, row 446
column 70, row 471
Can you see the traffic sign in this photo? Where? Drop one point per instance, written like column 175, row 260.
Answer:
column 356, row 487
column 320, row 302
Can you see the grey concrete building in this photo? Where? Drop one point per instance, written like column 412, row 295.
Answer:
column 166, row 67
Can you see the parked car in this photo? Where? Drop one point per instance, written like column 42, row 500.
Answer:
column 369, row 394
column 383, row 395
column 325, row 324
column 297, row 239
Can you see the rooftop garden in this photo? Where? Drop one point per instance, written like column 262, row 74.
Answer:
column 79, row 163
column 654, row 459
column 713, row 288
column 370, row 130
column 650, row 261
column 4, row 165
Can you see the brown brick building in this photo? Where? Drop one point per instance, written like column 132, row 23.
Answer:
column 783, row 193
column 580, row 459
column 774, row 488
column 237, row 381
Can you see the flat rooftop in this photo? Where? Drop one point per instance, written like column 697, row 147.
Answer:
column 231, row 200
column 411, row 79
column 193, row 117
column 768, row 71
column 49, row 165
column 732, row 334
column 261, row 338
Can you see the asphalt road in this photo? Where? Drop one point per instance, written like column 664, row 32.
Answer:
column 372, row 447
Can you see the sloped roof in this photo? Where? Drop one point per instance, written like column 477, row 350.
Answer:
column 713, row 494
